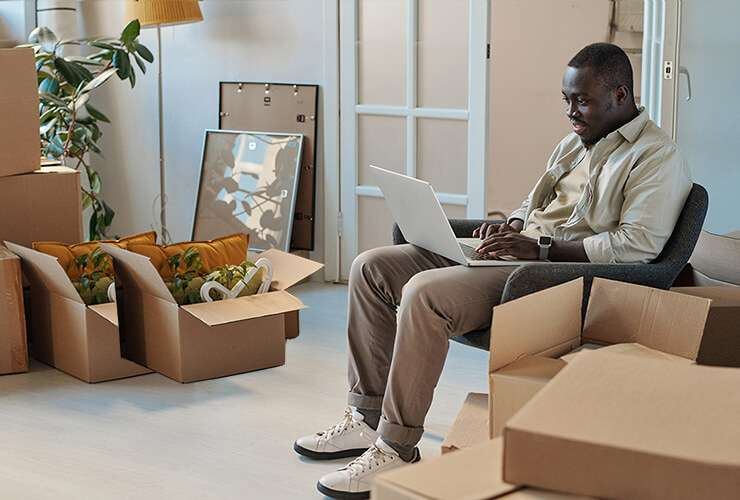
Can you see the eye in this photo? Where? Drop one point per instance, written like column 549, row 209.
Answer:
column 565, row 99
column 582, row 102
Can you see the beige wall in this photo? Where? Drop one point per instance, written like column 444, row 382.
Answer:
column 532, row 41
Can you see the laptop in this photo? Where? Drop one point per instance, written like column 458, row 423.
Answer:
column 418, row 213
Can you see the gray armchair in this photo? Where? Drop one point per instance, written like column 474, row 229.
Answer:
column 660, row 273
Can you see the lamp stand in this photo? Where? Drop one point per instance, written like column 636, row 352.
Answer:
column 162, row 194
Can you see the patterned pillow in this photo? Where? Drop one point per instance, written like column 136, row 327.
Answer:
column 214, row 253
column 67, row 254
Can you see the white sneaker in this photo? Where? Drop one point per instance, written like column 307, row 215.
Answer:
column 349, row 437
column 355, row 480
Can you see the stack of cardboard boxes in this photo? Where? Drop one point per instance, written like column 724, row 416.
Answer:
column 616, row 409
column 35, row 203
column 145, row 330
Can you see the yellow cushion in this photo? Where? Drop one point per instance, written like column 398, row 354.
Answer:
column 66, row 254
column 214, row 253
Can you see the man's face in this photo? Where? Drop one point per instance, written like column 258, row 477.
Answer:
column 592, row 109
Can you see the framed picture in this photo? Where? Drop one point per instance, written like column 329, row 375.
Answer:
column 248, row 183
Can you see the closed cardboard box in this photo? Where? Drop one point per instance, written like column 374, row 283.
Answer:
column 471, row 474
column 19, row 101
column 77, row 339
column 670, row 323
column 470, row 426
column 625, row 427
column 13, row 351
column 203, row 341
column 41, row 206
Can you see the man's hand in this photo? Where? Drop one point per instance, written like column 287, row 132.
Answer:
column 511, row 244
column 487, row 230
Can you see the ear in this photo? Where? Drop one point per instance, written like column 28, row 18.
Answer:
column 622, row 94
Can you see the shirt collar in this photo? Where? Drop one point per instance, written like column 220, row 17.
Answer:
column 632, row 129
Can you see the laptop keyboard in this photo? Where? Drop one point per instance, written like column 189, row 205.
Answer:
column 471, row 254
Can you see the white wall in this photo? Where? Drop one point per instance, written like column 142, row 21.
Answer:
column 249, row 40
column 12, row 23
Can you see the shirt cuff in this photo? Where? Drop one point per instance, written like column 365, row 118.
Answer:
column 517, row 214
column 599, row 249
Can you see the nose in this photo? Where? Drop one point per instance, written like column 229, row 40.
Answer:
column 572, row 110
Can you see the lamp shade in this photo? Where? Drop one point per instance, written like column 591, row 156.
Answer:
column 164, row 12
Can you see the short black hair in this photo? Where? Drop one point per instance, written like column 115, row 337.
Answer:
column 609, row 62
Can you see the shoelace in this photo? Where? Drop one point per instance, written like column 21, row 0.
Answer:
column 372, row 458
column 339, row 427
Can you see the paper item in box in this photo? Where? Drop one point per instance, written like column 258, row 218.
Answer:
column 616, row 426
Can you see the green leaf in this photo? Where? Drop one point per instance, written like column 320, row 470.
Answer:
column 46, row 127
column 94, row 235
column 132, row 78
column 99, row 80
column 109, row 214
column 145, row 53
column 95, row 113
column 44, row 37
column 122, row 62
column 86, row 201
column 67, row 71
column 131, row 32
column 95, row 183
column 102, row 45
column 49, row 85
column 140, row 62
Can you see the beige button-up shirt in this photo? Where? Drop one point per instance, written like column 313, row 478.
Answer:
column 638, row 184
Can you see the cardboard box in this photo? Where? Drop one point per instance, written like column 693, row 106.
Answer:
column 471, row 474
column 525, row 344
column 20, row 142
column 41, row 206
column 209, row 340
column 77, row 339
column 720, row 345
column 471, row 425
column 13, row 350
column 624, row 427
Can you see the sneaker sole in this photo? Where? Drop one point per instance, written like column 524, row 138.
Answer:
column 360, row 495
column 342, row 495
column 326, row 455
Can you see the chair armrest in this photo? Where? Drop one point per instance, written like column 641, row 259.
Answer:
column 530, row 278
column 463, row 228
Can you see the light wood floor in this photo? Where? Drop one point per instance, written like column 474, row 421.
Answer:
column 151, row 438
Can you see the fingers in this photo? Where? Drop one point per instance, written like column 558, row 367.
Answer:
column 505, row 228
column 480, row 231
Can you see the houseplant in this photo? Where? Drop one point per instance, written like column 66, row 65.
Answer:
column 70, row 125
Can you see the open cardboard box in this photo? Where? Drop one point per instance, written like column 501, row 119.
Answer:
column 720, row 345
column 525, row 346
column 13, row 350
column 628, row 427
column 65, row 333
column 471, row 474
column 203, row 341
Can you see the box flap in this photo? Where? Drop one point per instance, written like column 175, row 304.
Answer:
column 623, row 312
column 546, row 323
column 722, row 296
column 471, row 474
column 470, row 426
column 48, row 270
column 141, row 270
column 671, row 411
column 56, row 169
column 107, row 311
column 288, row 269
column 243, row 308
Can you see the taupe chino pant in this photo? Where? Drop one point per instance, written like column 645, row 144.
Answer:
column 404, row 305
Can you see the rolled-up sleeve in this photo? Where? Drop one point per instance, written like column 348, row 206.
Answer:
column 654, row 196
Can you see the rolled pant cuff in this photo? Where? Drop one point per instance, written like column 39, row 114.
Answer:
column 400, row 434
column 363, row 402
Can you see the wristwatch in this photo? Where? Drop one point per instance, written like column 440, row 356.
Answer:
column 544, row 242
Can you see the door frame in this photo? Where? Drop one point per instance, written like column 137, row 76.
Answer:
column 475, row 115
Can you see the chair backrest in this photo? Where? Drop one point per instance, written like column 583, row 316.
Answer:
column 680, row 245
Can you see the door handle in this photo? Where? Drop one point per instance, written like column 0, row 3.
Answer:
column 682, row 70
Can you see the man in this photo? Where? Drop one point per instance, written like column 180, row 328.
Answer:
column 612, row 192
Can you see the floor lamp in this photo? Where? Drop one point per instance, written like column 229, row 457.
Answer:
column 156, row 14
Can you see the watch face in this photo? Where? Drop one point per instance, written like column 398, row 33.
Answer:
column 545, row 240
